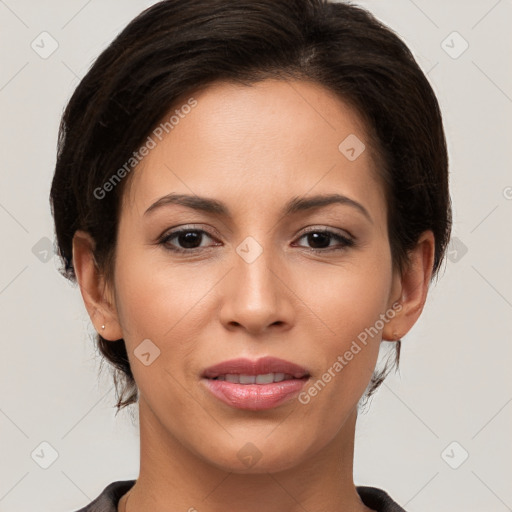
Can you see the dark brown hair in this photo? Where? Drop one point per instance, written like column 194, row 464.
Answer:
column 175, row 47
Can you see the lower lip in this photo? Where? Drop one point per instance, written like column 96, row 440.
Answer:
column 254, row 397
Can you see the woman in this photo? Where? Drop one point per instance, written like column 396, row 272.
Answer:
column 252, row 195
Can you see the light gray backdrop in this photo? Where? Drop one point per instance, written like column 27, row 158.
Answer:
column 436, row 437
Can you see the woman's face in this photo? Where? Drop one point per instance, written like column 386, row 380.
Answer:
column 248, row 283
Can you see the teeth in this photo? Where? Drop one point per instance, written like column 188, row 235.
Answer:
column 266, row 378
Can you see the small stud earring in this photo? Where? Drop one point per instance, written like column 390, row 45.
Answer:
column 103, row 327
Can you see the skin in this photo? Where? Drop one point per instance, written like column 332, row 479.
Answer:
column 253, row 148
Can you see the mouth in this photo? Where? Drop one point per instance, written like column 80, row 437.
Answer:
column 255, row 385
column 265, row 378
column 261, row 370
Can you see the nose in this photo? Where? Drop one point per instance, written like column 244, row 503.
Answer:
column 256, row 296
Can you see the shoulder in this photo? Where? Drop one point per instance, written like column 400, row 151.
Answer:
column 378, row 499
column 109, row 498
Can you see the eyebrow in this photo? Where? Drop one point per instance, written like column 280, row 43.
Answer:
column 296, row 204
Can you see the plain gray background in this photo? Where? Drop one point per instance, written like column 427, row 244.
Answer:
column 435, row 437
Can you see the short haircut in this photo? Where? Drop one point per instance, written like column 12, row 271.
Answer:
column 175, row 47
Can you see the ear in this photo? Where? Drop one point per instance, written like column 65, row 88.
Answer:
column 98, row 300
column 410, row 289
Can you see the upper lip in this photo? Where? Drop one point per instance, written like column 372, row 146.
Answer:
column 258, row 367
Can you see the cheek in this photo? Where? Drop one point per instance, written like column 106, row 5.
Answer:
column 351, row 304
column 163, row 303
column 350, row 297
column 153, row 294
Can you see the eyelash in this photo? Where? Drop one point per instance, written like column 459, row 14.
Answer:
column 345, row 241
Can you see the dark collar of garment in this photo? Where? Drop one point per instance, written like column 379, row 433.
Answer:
column 107, row 501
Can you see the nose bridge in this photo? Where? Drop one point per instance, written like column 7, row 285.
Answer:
column 253, row 266
column 257, row 297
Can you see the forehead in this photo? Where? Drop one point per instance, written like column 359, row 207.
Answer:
column 263, row 142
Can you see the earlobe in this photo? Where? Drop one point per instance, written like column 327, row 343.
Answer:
column 93, row 288
column 414, row 282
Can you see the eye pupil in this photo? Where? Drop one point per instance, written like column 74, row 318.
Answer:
column 189, row 237
column 317, row 237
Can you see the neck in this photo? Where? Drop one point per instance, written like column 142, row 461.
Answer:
column 173, row 477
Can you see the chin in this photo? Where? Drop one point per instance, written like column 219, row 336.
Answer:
column 253, row 457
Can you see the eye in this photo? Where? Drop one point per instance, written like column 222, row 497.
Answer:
column 322, row 237
column 189, row 239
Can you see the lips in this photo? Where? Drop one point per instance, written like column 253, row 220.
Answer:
column 255, row 385
column 245, row 368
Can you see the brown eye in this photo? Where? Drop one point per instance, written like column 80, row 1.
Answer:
column 320, row 239
column 188, row 240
